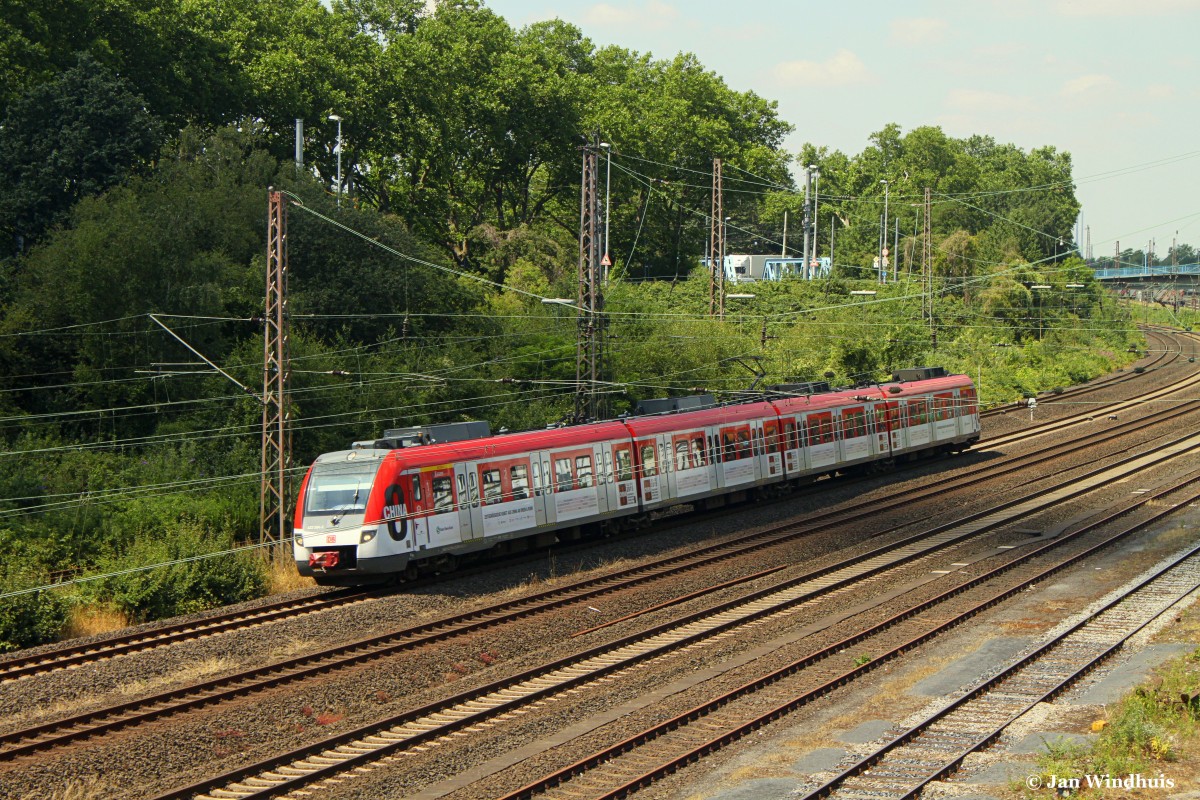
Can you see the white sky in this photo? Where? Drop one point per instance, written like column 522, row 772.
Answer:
column 1114, row 82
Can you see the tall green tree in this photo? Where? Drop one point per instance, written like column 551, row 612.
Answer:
column 71, row 138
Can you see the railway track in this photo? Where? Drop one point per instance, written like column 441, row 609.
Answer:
column 656, row 752
column 74, row 655
column 1170, row 348
column 113, row 717
column 104, row 720
column 337, row 757
column 935, row 747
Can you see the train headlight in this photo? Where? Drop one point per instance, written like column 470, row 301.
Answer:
column 366, row 536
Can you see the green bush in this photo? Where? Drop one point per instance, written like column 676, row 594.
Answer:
column 184, row 587
column 31, row 619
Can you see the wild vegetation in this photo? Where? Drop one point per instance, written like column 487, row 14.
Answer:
column 1150, row 735
column 138, row 140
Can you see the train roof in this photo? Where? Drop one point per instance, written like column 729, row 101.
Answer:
column 875, row 392
column 512, row 444
column 722, row 415
column 502, row 445
column 921, row 387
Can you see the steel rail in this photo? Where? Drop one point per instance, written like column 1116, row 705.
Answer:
column 126, row 643
column 113, row 717
column 346, row 751
column 716, row 742
column 997, row 681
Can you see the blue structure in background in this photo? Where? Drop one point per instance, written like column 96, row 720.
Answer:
column 1143, row 272
column 751, row 269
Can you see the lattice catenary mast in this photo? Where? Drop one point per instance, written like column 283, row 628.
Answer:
column 276, row 438
column 716, row 247
column 589, row 352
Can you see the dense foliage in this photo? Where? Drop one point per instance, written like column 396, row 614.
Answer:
column 137, row 143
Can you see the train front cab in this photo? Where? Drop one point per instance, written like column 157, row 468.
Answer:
column 339, row 517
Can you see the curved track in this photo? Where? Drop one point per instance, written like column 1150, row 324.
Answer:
column 337, row 756
column 74, row 654
column 110, row 718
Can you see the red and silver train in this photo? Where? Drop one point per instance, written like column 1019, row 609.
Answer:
column 395, row 506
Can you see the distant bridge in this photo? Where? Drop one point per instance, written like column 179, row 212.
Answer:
column 1149, row 274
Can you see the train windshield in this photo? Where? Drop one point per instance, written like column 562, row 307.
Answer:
column 340, row 489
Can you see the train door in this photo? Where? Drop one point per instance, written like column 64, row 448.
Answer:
column 623, row 475
column 470, row 515
column 649, row 453
column 606, row 479
column 792, row 436
column 822, row 440
column 887, row 428
column 772, row 449
column 419, row 503
column 603, row 473
column 759, row 448
column 968, row 410
column 541, row 484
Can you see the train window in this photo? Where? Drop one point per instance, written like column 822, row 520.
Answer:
column 474, row 489
column 697, row 454
column 918, row 413
column 443, row 494
column 771, row 432
column 518, row 476
column 493, row 492
column 562, row 475
column 537, row 477
column 649, row 461
column 624, row 464
column 789, row 435
column 416, row 488
column 854, row 423
column 944, row 405
column 606, row 475
column 583, row 471
column 730, row 446
column 968, row 401
column 682, row 454
column 821, row 429
column 744, row 448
